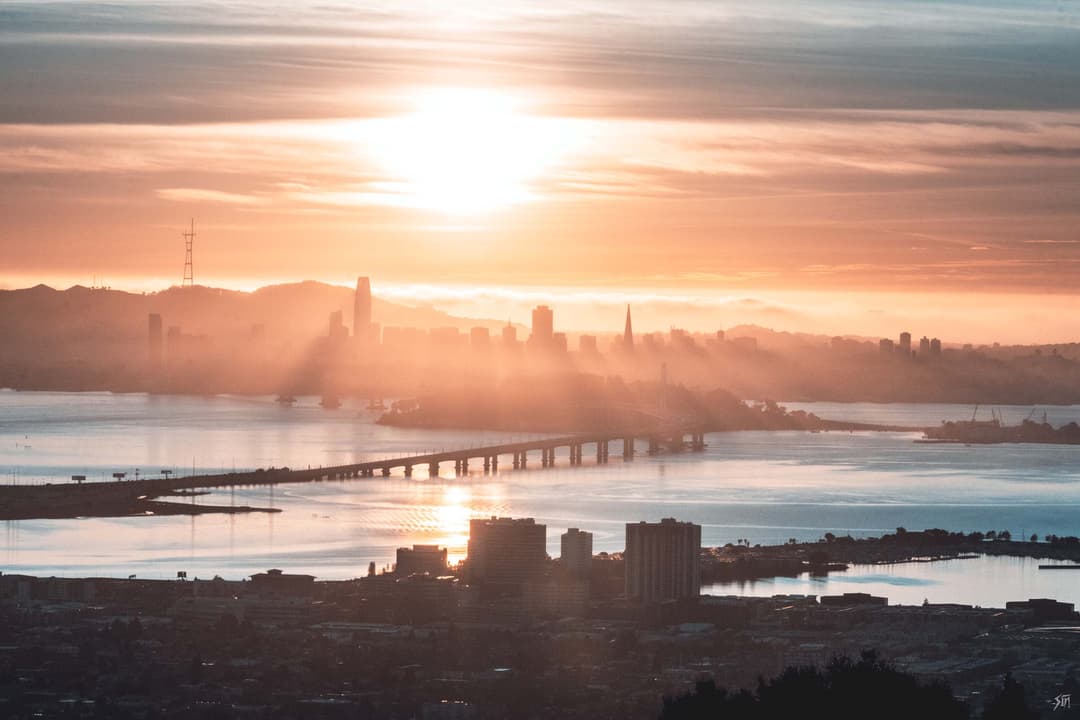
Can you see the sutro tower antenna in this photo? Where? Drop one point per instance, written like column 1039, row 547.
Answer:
column 189, row 267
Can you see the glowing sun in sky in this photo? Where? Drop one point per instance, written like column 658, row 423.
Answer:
column 465, row 151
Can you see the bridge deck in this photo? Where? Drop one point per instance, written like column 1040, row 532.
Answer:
column 17, row 499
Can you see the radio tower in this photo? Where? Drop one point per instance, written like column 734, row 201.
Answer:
column 189, row 267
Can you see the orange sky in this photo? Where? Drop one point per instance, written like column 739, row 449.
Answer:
column 836, row 160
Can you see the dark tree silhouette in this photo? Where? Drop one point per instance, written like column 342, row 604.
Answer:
column 844, row 690
column 1010, row 703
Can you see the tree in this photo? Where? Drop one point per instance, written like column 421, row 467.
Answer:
column 1010, row 703
column 844, row 690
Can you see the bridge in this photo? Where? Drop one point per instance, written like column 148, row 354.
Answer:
column 72, row 499
column 487, row 457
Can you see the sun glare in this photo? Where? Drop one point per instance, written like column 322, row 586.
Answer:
column 467, row 151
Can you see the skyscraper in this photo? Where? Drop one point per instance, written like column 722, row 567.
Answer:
column 662, row 560
column 628, row 332
column 543, row 327
column 576, row 556
column 362, row 310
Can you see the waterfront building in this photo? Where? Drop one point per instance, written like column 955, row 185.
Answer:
column 505, row 550
column 662, row 560
column 421, row 559
column 577, row 551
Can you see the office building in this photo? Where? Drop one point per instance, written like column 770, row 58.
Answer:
column 587, row 345
column 505, row 550
column 509, row 335
column 543, row 327
column 576, row 555
column 419, row 559
column 336, row 330
column 479, row 338
column 904, row 348
column 362, row 310
column 924, row 346
column 628, row 333
column 662, row 560
column 935, row 347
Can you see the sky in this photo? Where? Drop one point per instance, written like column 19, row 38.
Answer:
column 838, row 165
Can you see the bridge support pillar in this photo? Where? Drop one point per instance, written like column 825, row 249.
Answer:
column 487, row 463
column 628, row 448
column 494, row 463
column 517, row 459
column 408, row 471
column 386, row 471
column 433, row 469
column 654, row 445
column 543, row 457
column 524, row 458
column 465, row 465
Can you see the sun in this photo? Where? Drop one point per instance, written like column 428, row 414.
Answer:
column 467, row 151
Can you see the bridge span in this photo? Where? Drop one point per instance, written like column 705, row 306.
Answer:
column 125, row 497
column 487, row 457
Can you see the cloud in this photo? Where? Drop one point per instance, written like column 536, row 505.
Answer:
column 211, row 196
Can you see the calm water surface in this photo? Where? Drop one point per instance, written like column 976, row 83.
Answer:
column 764, row 486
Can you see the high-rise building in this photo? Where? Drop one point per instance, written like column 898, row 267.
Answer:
column 336, row 330
column 935, row 347
column 505, row 550
column 543, row 327
column 886, row 346
column 362, row 310
column 576, row 555
column 628, row 332
column 155, row 339
column 587, row 344
column 924, row 346
column 509, row 335
column 904, row 348
column 479, row 338
column 662, row 560
column 429, row 559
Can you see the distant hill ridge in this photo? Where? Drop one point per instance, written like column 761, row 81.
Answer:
column 300, row 308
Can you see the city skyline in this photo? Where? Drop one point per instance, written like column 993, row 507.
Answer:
column 834, row 157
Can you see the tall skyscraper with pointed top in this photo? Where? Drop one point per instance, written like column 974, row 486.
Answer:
column 362, row 310
column 628, row 332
